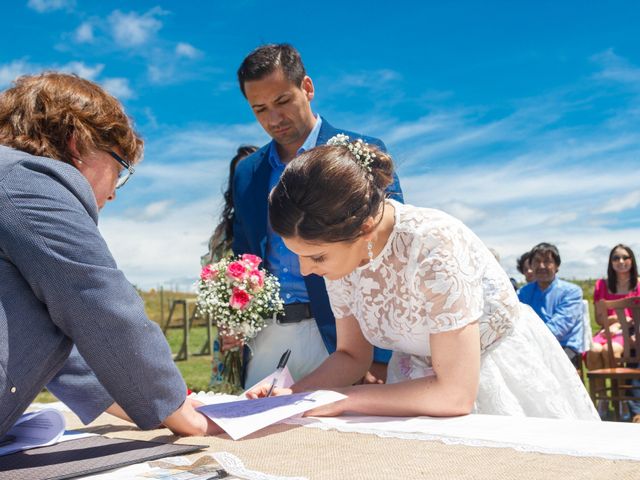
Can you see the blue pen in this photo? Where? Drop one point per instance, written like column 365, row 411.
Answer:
column 281, row 364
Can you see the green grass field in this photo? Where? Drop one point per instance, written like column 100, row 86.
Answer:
column 197, row 369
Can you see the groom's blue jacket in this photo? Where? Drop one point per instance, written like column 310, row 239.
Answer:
column 250, row 195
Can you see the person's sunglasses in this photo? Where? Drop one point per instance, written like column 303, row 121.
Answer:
column 126, row 172
column 617, row 258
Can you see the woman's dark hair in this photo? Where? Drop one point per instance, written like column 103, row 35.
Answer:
column 612, row 278
column 520, row 262
column 222, row 237
column 326, row 195
column 264, row 60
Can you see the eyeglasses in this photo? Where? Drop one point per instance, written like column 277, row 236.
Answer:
column 126, row 172
column 617, row 258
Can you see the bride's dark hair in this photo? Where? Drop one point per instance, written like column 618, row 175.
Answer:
column 326, row 195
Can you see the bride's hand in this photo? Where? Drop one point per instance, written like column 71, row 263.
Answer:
column 260, row 391
column 334, row 409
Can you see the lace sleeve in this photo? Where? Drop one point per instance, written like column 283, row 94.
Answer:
column 450, row 281
column 339, row 295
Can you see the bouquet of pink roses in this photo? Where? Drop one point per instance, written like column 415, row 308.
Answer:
column 239, row 296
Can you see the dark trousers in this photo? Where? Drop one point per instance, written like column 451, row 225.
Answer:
column 574, row 356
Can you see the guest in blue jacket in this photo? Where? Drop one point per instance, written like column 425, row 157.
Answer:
column 557, row 303
column 65, row 147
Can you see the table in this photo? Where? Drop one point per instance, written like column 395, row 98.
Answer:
column 294, row 450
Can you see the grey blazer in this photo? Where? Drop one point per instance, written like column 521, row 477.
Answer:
column 60, row 287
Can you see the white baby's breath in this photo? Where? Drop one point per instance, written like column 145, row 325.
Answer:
column 358, row 148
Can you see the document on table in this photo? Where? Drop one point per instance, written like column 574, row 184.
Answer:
column 242, row 417
column 35, row 429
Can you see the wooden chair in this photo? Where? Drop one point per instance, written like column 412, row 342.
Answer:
column 623, row 368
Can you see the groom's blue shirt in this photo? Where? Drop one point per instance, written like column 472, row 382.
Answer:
column 281, row 261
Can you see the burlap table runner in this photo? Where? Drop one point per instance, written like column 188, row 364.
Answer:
column 298, row 451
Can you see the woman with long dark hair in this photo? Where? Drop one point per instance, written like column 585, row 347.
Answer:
column 220, row 241
column 621, row 282
column 219, row 247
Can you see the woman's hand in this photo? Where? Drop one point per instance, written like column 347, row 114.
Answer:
column 615, row 327
column 260, row 391
column 334, row 409
column 229, row 342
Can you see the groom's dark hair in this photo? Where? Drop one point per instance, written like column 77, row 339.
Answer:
column 266, row 59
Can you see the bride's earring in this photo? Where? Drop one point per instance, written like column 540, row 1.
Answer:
column 370, row 250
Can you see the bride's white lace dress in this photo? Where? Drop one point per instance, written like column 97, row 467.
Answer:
column 435, row 275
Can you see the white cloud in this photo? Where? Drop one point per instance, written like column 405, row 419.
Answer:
column 132, row 29
column 9, row 72
column 516, row 178
column 165, row 247
column 118, row 87
column 617, row 68
column 157, row 74
column 84, row 33
column 367, row 79
column 42, row 6
column 620, row 204
column 154, row 211
column 462, row 211
column 187, row 50
column 82, row 70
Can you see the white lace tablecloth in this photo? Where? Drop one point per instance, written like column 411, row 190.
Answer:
column 610, row 440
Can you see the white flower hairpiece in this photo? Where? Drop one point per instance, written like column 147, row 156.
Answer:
column 358, row 148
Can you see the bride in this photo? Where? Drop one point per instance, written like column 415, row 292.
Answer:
column 418, row 282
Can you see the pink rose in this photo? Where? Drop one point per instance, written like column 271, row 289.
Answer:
column 239, row 299
column 252, row 260
column 256, row 277
column 236, row 271
column 208, row 273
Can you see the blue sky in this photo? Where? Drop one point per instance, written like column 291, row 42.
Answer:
column 520, row 118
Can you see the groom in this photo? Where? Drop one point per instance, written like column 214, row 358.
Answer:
column 274, row 82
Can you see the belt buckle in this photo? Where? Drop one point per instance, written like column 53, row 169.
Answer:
column 297, row 312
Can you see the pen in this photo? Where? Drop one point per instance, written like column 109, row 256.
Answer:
column 281, row 364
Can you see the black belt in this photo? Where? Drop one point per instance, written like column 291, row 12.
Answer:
column 295, row 313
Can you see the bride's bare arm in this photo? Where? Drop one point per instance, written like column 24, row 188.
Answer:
column 346, row 365
column 452, row 391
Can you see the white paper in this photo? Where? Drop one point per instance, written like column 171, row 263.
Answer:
column 35, row 429
column 243, row 417
column 284, row 380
